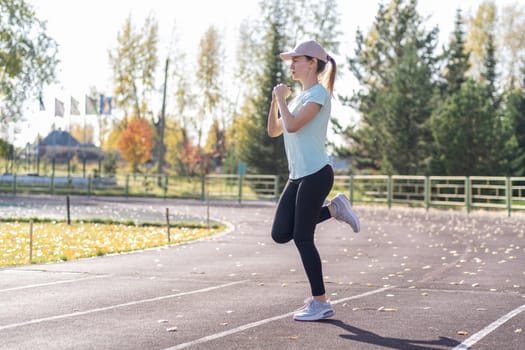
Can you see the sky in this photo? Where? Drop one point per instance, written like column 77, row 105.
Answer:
column 86, row 30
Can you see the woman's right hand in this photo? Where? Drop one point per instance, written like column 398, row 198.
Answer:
column 281, row 91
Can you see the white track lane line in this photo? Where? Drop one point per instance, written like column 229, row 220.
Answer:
column 267, row 320
column 113, row 307
column 53, row 283
column 467, row 343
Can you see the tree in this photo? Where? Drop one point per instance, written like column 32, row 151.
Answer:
column 489, row 73
column 215, row 144
column 237, row 135
column 454, row 76
column 7, row 152
column 133, row 62
column 245, row 72
column 174, row 56
column 513, row 42
column 407, row 109
column 191, row 155
column 454, row 129
column 27, row 58
column 497, row 132
column 457, row 59
column 317, row 20
column 243, row 103
column 210, row 59
column 160, row 127
column 136, row 142
column 83, row 133
column 175, row 147
column 395, row 65
column 469, row 129
column 265, row 155
column 180, row 152
column 208, row 77
column 481, row 25
column 515, row 115
column 283, row 24
column 113, row 130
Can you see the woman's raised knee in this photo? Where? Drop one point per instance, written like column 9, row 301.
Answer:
column 281, row 238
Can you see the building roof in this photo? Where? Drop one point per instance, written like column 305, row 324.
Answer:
column 59, row 138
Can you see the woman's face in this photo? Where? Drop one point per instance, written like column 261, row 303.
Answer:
column 300, row 67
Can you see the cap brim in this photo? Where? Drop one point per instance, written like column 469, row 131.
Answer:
column 289, row 55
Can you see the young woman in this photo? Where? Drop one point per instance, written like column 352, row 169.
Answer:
column 303, row 123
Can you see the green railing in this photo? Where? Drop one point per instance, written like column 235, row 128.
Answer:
column 475, row 192
column 247, row 187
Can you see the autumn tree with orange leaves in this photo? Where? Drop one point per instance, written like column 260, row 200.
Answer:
column 136, row 142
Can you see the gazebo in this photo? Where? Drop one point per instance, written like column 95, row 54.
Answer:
column 60, row 147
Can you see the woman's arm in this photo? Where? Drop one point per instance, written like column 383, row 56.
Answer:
column 274, row 126
column 291, row 122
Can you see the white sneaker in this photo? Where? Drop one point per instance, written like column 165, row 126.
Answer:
column 314, row 310
column 306, row 302
column 344, row 213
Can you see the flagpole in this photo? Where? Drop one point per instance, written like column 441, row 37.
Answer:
column 59, row 111
column 90, row 106
column 86, row 103
column 41, row 108
column 54, row 153
column 84, row 145
column 69, row 146
column 38, row 154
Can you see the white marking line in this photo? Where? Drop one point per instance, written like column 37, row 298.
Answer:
column 267, row 320
column 52, row 283
column 113, row 307
column 491, row 327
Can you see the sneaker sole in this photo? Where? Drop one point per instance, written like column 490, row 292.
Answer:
column 357, row 228
column 325, row 314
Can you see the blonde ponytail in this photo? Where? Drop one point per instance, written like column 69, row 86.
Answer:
column 328, row 78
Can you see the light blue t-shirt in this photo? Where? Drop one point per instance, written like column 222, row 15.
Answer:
column 305, row 148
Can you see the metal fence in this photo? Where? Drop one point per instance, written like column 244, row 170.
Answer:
column 247, row 187
column 475, row 192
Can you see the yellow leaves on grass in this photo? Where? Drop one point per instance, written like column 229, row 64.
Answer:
column 56, row 241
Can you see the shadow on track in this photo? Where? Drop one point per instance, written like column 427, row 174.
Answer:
column 364, row 336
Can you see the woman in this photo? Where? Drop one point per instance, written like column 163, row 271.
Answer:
column 303, row 124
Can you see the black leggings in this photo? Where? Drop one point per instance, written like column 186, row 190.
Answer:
column 299, row 210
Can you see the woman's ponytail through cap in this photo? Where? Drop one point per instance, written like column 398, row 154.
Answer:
column 329, row 76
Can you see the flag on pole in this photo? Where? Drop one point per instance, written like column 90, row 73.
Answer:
column 91, row 105
column 59, row 108
column 105, row 105
column 41, row 102
column 74, row 107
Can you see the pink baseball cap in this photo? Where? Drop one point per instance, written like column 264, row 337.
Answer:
column 308, row 48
